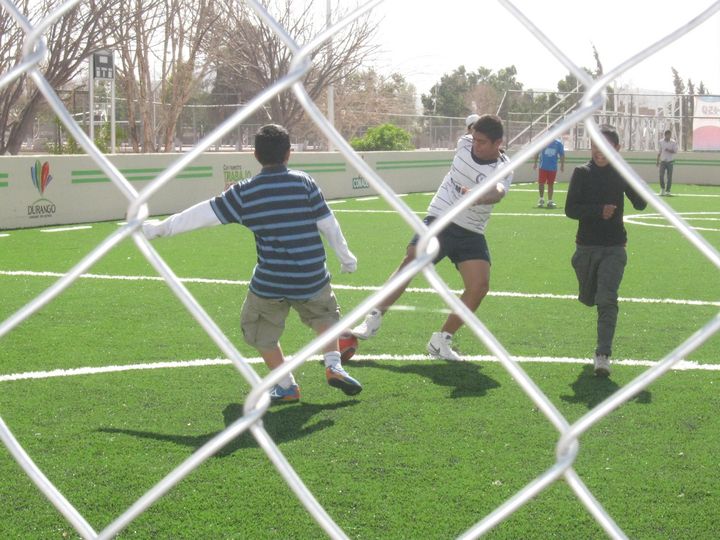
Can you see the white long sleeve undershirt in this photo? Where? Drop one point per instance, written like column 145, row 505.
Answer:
column 330, row 229
column 196, row 217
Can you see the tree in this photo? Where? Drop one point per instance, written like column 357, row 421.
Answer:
column 11, row 39
column 254, row 57
column 384, row 137
column 461, row 92
column 686, row 96
column 69, row 41
column 167, row 50
column 449, row 97
column 678, row 83
column 365, row 98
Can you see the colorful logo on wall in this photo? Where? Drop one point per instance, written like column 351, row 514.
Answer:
column 41, row 178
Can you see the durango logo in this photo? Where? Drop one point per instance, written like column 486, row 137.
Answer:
column 41, row 178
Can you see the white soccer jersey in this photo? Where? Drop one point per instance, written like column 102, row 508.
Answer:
column 466, row 173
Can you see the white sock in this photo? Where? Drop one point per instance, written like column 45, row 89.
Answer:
column 332, row 359
column 287, row 382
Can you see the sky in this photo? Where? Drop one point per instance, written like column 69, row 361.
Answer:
column 425, row 40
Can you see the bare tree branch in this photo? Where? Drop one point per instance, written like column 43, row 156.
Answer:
column 256, row 57
column 70, row 41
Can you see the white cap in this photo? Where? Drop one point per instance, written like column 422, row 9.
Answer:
column 470, row 120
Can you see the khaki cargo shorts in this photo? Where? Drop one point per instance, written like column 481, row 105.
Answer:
column 263, row 319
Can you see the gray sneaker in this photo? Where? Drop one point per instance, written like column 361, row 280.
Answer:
column 369, row 327
column 602, row 365
column 541, row 202
column 551, row 204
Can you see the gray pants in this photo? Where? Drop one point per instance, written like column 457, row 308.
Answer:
column 599, row 271
column 666, row 166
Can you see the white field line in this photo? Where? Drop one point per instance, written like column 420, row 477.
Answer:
column 505, row 294
column 65, row 229
column 682, row 365
column 535, row 190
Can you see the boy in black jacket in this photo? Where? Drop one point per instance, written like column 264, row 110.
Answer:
column 596, row 198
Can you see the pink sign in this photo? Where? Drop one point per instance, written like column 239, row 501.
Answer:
column 706, row 124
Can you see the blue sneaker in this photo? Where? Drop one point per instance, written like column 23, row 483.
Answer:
column 278, row 394
column 337, row 377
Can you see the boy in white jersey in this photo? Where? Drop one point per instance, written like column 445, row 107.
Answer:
column 463, row 240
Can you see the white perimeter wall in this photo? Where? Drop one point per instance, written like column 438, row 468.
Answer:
column 79, row 192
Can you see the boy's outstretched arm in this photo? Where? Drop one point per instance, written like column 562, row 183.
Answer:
column 330, row 229
column 196, row 217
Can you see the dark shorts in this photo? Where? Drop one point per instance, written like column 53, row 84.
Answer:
column 458, row 244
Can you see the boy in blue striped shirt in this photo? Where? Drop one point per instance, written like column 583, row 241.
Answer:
column 287, row 213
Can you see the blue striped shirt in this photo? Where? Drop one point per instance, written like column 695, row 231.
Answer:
column 281, row 207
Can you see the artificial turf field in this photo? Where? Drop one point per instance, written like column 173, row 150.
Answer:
column 426, row 450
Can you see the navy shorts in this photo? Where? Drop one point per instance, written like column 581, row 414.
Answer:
column 458, row 244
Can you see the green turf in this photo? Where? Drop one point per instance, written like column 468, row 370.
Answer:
column 427, row 450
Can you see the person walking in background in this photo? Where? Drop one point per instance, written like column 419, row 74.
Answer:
column 665, row 162
column 548, row 170
column 466, row 138
column 287, row 213
column 463, row 240
column 596, row 199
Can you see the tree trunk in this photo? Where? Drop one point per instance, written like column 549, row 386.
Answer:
column 20, row 128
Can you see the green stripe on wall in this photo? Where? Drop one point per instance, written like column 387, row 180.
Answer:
column 318, row 167
column 93, row 176
column 4, row 184
column 414, row 164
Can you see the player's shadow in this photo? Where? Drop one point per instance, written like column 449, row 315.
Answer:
column 283, row 423
column 592, row 390
column 464, row 377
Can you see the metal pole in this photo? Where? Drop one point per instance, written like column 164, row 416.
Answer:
column 91, row 99
column 112, row 115
column 331, row 88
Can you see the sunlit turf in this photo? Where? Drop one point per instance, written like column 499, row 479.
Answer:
column 425, row 451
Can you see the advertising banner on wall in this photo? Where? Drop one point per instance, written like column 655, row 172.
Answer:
column 706, row 124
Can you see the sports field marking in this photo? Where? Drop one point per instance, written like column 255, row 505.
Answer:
column 2, row 235
column 66, row 229
column 507, row 294
column 525, row 190
column 641, row 219
column 682, row 365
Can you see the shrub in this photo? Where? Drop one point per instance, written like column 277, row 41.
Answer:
column 383, row 137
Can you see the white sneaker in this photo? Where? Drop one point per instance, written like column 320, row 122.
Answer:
column 440, row 346
column 662, row 192
column 551, row 204
column 602, row 365
column 541, row 202
column 369, row 327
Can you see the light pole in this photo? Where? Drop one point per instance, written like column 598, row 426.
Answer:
column 102, row 67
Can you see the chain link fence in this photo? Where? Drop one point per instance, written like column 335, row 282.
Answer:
column 583, row 118
column 640, row 118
